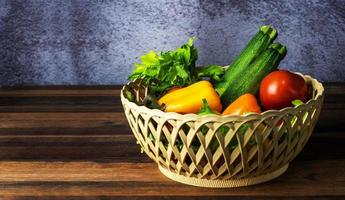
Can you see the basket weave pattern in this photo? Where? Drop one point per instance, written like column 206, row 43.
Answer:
column 226, row 149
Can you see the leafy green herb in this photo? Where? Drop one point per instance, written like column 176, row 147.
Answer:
column 215, row 72
column 173, row 68
column 170, row 68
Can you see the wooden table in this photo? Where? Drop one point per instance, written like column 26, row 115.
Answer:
column 75, row 142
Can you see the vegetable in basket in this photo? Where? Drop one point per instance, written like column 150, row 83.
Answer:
column 254, row 48
column 246, row 103
column 223, row 130
column 167, row 69
column 280, row 88
column 206, row 110
column 190, row 99
column 248, row 81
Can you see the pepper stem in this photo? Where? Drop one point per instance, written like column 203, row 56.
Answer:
column 205, row 109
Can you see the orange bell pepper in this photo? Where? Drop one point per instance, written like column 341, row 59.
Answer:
column 190, row 99
column 244, row 104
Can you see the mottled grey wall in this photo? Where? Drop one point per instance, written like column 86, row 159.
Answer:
column 96, row 42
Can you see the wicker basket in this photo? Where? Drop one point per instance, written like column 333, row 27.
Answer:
column 191, row 149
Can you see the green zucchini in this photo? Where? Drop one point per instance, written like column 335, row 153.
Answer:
column 249, row 79
column 256, row 45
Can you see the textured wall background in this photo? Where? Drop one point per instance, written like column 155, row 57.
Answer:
column 96, row 42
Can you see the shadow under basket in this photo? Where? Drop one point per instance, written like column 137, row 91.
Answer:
column 222, row 151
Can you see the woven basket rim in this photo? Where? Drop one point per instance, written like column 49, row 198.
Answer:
column 216, row 117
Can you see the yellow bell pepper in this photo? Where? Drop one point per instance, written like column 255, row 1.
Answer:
column 189, row 99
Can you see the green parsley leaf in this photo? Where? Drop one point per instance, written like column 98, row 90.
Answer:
column 170, row 68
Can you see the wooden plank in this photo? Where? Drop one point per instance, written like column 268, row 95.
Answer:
column 101, row 148
column 61, row 131
column 169, row 197
column 60, row 104
column 147, row 197
column 101, row 90
column 303, row 179
column 59, row 121
column 90, row 123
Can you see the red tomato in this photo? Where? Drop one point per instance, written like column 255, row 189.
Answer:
column 279, row 88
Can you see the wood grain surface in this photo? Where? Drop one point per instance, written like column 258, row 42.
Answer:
column 74, row 142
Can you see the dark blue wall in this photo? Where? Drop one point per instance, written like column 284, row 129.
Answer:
column 96, row 42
